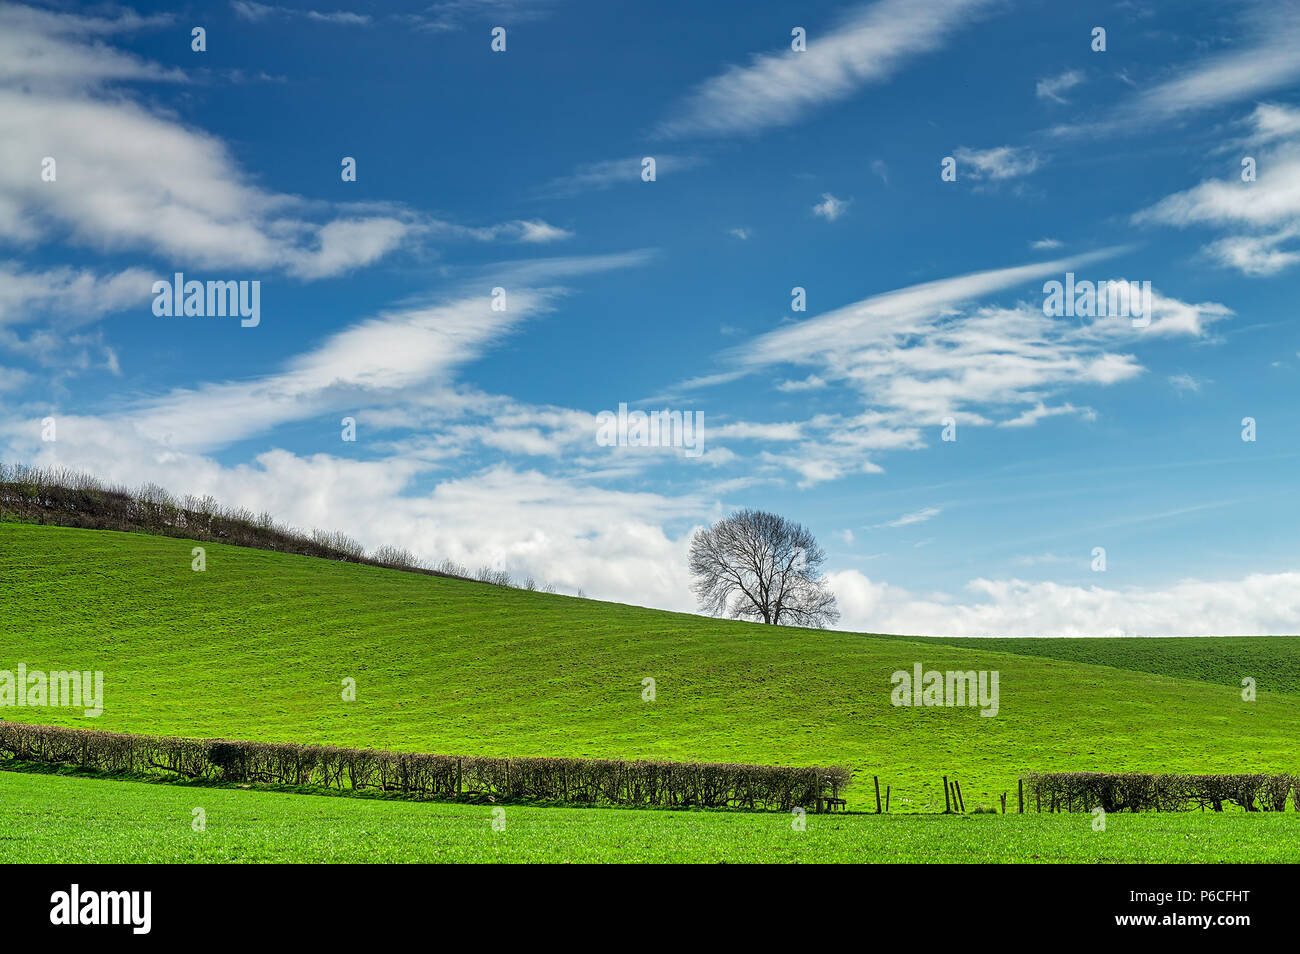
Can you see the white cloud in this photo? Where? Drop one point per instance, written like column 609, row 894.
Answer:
column 1273, row 121
column 907, row 519
column 40, row 310
column 595, row 176
column 757, row 431
column 831, row 208
column 530, row 231
column 1000, row 162
column 1051, row 87
column 905, row 310
column 777, row 89
column 398, row 349
column 41, row 48
column 1045, row 244
column 570, row 532
column 1262, row 216
column 11, row 379
column 1264, row 62
column 68, row 295
column 536, row 231
column 449, row 15
column 810, row 383
column 921, row 354
column 412, row 348
column 259, row 12
column 132, row 179
column 1259, row 603
column 1039, row 411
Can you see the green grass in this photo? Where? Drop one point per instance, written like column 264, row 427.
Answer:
column 1272, row 661
column 256, row 647
column 48, row 818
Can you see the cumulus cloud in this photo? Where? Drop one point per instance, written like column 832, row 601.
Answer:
column 1259, row 603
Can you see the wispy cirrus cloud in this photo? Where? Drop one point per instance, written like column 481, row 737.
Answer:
column 907, row 519
column 1262, row 216
column 258, row 12
column 1264, row 61
column 777, row 89
column 919, row 355
column 1051, row 87
column 416, row 344
column 595, row 176
column 1260, row 61
column 443, row 16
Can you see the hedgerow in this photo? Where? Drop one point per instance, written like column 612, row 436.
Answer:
column 1137, row 791
column 578, row 781
column 67, row 498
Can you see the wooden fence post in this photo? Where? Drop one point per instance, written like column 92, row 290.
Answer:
column 1020, row 783
column 886, row 799
column 961, row 802
column 1004, row 803
column 947, row 795
column 877, row 780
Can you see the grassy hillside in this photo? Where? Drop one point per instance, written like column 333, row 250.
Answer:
column 95, row 820
column 256, row 647
column 1272, row 661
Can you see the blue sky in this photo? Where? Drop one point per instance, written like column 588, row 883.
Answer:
column 775, row 169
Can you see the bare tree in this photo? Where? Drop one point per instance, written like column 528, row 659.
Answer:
column 761, row 566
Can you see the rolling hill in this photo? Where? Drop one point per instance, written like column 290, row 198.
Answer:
column 258, row 646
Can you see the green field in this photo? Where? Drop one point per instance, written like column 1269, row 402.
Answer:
column 46, row 818
column 256, row 647
column 1272, row 661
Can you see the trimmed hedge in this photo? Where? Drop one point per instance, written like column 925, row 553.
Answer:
column 579, row 781
column 1137, row 791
